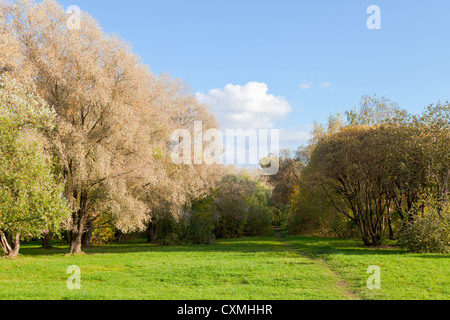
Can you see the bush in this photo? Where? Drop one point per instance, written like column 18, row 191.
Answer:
column 201, row 220
column 168, row 229
column 260, row 217
column 103, row 235
column 232, row 222
column 170, row 240
column 429, row 233
column 200, row 228
column 310, row 215
column 281, row 215
column 244, row 207
column 103, row 231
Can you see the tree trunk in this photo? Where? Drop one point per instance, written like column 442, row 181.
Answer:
column 77, row 234
column 75, row 245
column 152, row 235
column 391, row 229
column 119, row 236
column 87, row 235
column 11, row 250
column 46, row 239
column 79, row 220
column 376, row 240
column 16, row 247
column 4, row 243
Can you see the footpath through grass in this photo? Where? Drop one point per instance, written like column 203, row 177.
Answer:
column 251, row 268
column 404, row 276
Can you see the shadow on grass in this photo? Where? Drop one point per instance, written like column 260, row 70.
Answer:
column 309, row 245
column 243, row 245
column 333, row 246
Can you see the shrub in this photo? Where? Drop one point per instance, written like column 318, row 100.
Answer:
column 168, row 229
column 429, row 233
column 170, row 240
column 103, row 235
column 103, row 231
column 281, row 215
column 244, row 207
column 231, row 222
column 260, row 217
column 201, row 221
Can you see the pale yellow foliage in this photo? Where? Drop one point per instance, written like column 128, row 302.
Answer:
column 112, row 114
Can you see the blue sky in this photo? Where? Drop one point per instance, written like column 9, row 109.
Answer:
column 323, row 45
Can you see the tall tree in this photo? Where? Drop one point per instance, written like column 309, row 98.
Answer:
column 287, row 177
column 106, row 102
column 31, row 200
column 351, row 164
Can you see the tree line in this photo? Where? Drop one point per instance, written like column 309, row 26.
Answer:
column 86, row 142
column 379, row 174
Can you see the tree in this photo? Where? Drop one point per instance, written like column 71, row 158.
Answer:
column 31, row 199
column 434, row 126
column 286, row 179
column 374, row 110
column 351, row 164
column 243, row 206
column 107, row 105
column 114, row 118
column 174, row 186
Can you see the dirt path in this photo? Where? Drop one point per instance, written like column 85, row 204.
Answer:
column 344, row 285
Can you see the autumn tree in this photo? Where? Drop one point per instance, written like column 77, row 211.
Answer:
column 106, row 103
column 434, row 128
column 174, row 185
column 286, row 179
column 382, row 164
column 351, row 164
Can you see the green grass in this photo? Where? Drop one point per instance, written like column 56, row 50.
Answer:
column 250, row 268
column 404, row 276
column 255, row 268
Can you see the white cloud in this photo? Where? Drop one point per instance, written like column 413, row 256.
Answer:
column 327, row 85
column 247, row 106
column 305, row 85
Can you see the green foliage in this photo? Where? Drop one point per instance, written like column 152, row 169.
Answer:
column 260, row 217
column 244, row 207
column 169, row 229
column 306, row 211
column 201, row 220
column 231, row 222
column 31, row 199
column 310, row 215
column 240, row 207
column 429, row 232
column 104, row 231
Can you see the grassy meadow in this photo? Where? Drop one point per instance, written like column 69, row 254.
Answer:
column 249, row 268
